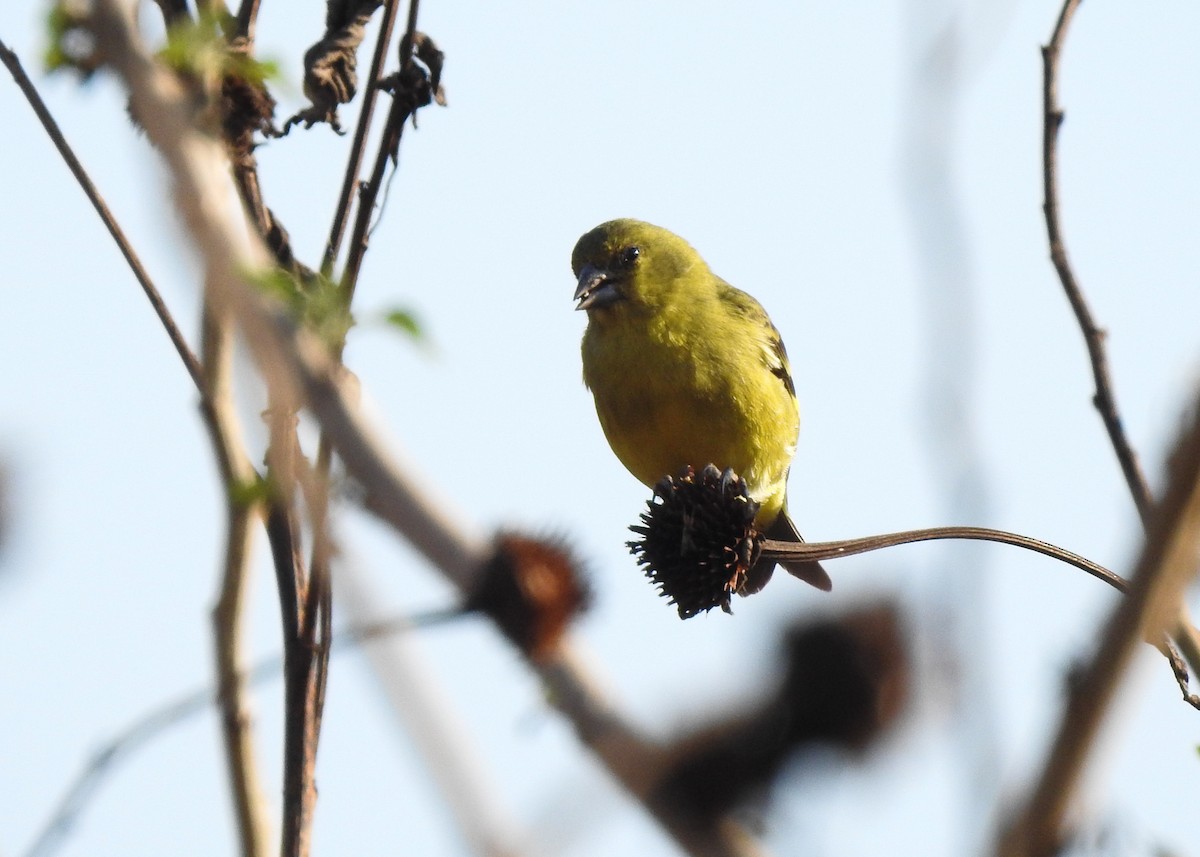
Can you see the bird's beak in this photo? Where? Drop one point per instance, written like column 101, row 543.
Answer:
column 596, row 289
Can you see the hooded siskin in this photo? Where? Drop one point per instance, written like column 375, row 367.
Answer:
column 687, row 370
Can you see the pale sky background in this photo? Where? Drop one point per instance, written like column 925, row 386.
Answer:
column 870, row 172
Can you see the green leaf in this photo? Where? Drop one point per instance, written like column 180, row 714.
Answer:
column 316, row 302
column 406, row 322
column 69, row 44
column 201, row 48
column 250, row 492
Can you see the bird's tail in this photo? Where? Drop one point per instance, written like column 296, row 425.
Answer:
column 784, row 530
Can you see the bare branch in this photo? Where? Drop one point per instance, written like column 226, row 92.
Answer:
column 304, row 662
column 237, row 474
column 190, row 362
column 358, row 146
column 411, row 89
column 1093, row 336
column 1185, row 633
column 247, row 17
column 173, row 11
column 1167, row 564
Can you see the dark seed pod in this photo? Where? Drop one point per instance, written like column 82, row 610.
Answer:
column 697, row 539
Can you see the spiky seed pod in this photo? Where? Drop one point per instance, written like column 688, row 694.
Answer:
column 532, row 589
column 697, row 539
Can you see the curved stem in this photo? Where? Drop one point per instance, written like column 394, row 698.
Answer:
column 850, row 547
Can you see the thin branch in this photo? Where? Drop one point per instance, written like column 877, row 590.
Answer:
column 237, row 474
column 247, row 18
column 304, row 598
column 349, row 184
column 317, row 626
column 304, row 611
column 359, row 144
column 85, row 786
column 324, row 463
column 389, row 147
column 173, row 11
column 1185, row 633
column 1168, row 563
column 250, row 808
column 302, row 662
column 1093, row 336
column 13, row 63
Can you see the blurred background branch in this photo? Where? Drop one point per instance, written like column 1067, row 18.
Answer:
column 1167, row 565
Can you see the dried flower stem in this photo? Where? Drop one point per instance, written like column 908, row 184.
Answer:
column 850, row 547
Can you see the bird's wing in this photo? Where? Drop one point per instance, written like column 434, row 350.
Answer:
column 756, row 318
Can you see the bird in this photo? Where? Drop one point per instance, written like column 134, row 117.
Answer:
column 687, row 370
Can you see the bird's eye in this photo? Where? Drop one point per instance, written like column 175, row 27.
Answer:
column 629, row 255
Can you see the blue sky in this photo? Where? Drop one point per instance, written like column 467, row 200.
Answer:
column 871, row 175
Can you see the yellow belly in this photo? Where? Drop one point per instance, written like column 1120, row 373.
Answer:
column 663, row 407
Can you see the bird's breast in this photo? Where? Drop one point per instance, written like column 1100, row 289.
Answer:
column 666, row 401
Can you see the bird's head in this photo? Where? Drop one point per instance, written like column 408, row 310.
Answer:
column 632, row 263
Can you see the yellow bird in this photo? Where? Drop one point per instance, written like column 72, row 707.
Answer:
column 687, row 370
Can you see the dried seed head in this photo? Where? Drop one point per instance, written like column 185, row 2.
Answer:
column 698, row 540
column 844, row 683
column 532, row 589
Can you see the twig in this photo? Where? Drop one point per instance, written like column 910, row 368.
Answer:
column 304, row 597
column 398, row 114
column 1167, row 564
column 358, row 146
column 237, row 474
column 90, row 778
column 173, row 11
column 145, row 728
column 320, row 559
column 366, row 199
column 1093, row 336
column 1184, row 633
column 13, row 63
column 305, row 653
column 247, row 17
